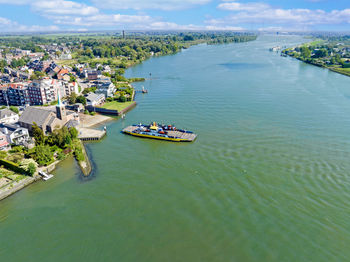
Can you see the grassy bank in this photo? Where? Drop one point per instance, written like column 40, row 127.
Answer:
column 344, row 71
column 115, row 105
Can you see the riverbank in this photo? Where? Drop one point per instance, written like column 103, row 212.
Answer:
column 332, row 54
column 14, row 187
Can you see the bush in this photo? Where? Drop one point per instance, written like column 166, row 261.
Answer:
column 29, row 165
column 43, row 154
column 3, row 154
column 31, row 169
column 78, row 153
column 12, row 166
column 122, row 99
column 81, row 99
column 16, row 149
column 16, row 157
column 73, row 132
column 61, row 155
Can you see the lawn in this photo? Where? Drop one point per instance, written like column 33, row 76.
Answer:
column 115, row 105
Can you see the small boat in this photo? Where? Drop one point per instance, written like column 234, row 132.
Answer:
column 161, row 132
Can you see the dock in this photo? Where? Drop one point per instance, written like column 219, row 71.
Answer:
column 45, row 175
column 88, row 134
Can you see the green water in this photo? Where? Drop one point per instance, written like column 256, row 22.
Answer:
column 268, row 178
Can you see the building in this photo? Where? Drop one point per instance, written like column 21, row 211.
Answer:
column 8, row 117
column 44, row 91
column 15, row 94
column 4, row 144
column 93, row 74
column 104, row 86
column 61, row 73
column 39, row 92
column 70, row 88
column 93, row 99
column 16, row 135
column 48, row 118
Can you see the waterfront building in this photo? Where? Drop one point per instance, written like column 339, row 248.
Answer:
column 104, row 86
column 93, row 99
column 16, row 134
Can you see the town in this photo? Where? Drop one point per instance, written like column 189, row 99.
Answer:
column 47, row 109
column 54, row 89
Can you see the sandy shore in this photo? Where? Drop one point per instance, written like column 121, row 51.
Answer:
column 90, row 121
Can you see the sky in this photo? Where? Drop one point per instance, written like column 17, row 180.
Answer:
column 238, row 15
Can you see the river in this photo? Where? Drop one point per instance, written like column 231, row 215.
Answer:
column 267, row 179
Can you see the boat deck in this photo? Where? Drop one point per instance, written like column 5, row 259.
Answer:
column 181, row 135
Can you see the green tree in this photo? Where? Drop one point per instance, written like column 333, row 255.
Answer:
column 73, row 132
column 38, row 134
column 72, row 98
column 81, row 99
column 305, row 52
column 122, row 99
column 42, row 154
column 31, row 169
column 321, row 53
column 68, row 140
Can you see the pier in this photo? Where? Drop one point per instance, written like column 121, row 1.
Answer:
column 87, row 134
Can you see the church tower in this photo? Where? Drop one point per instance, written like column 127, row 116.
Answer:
column 60, row 109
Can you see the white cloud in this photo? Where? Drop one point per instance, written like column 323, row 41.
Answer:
column 7, row 25
column 15, row 2
column 103, row 20
column 61, row 7
column 235, row 6
column 260, row 13
column 148, row 4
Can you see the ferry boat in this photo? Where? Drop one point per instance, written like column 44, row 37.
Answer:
column 162, row 132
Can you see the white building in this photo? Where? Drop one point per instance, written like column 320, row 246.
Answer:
column 8, row 117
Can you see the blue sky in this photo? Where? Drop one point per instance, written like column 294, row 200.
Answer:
column 272, row 15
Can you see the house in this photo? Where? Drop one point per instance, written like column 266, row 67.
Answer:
column 104, row 86
column 93, row 74
column 47, row 118
column 65, row 56
column 16, row 135
column 93, row 99
column 4, row 144
column 62, row 73
column 8, row 117
column 70, row 88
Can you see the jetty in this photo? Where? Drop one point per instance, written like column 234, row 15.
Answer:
column 45, row 175
column 88, row 134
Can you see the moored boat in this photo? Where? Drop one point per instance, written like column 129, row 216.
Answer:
column 161, row 132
